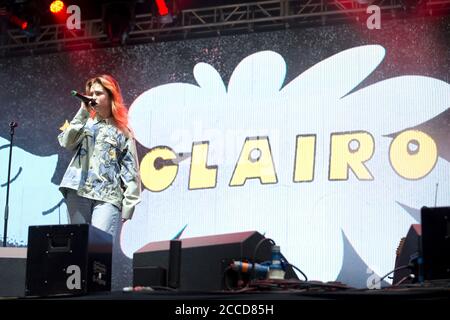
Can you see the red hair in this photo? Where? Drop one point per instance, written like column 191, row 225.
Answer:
column 118, row 108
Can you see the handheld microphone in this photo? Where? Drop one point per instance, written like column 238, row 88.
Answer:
column 88, row 101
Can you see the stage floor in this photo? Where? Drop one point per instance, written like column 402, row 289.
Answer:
column 268, row 304
column 409, row 292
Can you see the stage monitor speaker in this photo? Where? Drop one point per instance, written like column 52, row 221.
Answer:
column 203, row 262
column 69, row 259
column 12, row 271
column 436, row 243
column 408, row 253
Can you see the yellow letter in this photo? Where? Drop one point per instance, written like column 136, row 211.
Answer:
column 157, row 171
column 201, row 176
column 350, row 150
column 255, row 161
column 304, row 158
column 413, row 164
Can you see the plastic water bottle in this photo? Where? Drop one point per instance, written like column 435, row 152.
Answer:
column 276, row 270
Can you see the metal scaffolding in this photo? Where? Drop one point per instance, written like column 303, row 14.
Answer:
column 203, row 22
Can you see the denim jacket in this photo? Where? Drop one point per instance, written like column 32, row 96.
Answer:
column 105, row 166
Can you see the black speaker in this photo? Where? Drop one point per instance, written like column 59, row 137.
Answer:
column 408, row 256
column 68, row 259
column 436, row 243
column 204, row 260
column 12, row 271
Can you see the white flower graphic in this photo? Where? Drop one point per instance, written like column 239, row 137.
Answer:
column 306, row 219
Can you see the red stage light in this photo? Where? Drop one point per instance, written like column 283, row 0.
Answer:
column 56, row 6
column 23, row 24
column 162, row 7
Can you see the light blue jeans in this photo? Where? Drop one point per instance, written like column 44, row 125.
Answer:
column 102, row 215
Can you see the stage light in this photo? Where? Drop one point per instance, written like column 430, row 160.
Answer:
column 118, row 20
column 56, row 6
column 162, row 7
column 22, row 24
column 26, row 16
column 165, row 17
column 7, row 16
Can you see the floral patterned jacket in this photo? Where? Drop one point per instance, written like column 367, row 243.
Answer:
column 105, row 166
